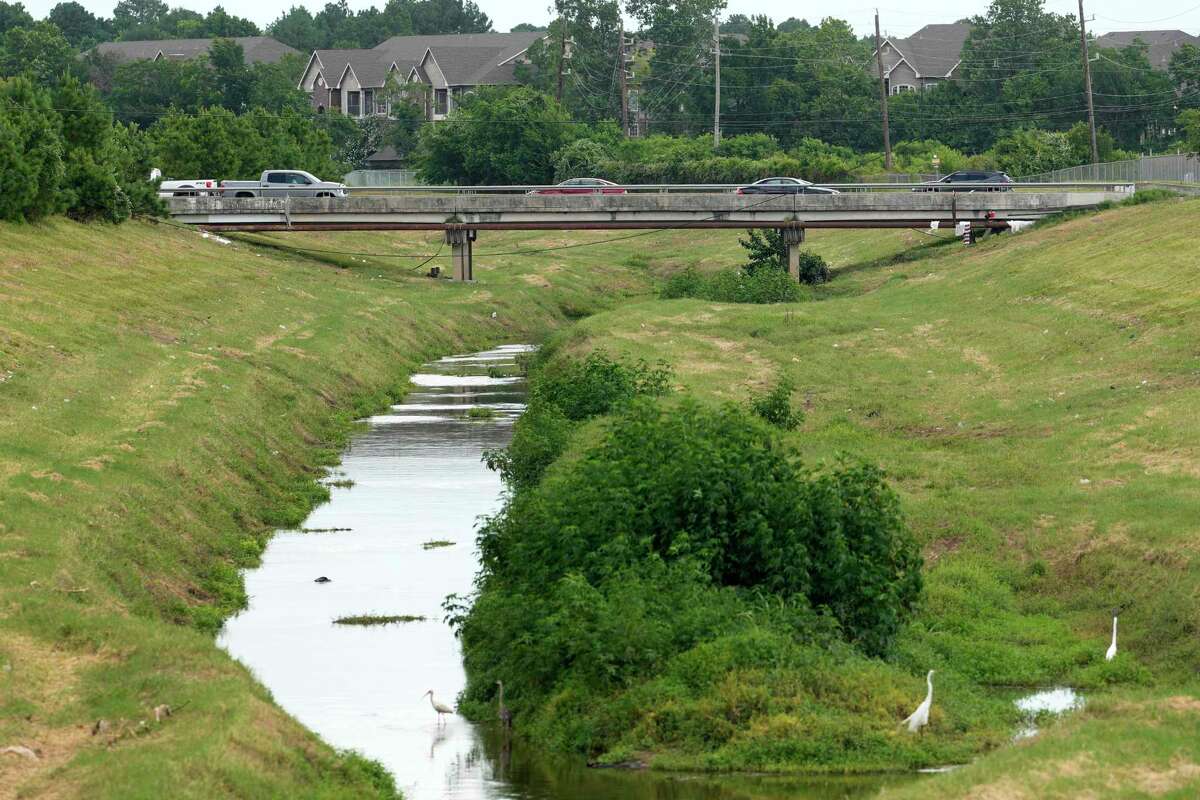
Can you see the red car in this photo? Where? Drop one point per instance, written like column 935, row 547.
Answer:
column 582, row 186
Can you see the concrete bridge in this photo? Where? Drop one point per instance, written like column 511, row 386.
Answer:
column 461, row 213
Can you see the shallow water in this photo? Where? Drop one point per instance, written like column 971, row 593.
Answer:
column 1055, row 701
column 418, row 477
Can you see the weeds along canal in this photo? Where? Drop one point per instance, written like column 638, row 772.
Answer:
column 412, row 481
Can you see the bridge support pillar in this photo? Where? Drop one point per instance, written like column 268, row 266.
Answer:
column 461, row 242
column 793, row 238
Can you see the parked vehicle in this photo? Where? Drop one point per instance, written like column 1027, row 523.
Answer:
column 969, row 181
column 283, row 183
column 200, row 187
column 582, row 186
column 784, row 186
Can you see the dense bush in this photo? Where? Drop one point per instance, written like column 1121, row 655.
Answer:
column 564, row 394
column 597, row 384
column 216, row 143
column 580, row 158
column 734, row 286
column 495, row 136
column 671, row 510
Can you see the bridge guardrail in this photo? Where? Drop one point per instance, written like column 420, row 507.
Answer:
column 728, row 188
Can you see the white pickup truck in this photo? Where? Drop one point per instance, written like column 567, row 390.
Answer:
column 283, row 183
column 198, row 187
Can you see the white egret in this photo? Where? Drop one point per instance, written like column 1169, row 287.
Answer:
column 1112, row 648
column 920, row 718
column 438, row 707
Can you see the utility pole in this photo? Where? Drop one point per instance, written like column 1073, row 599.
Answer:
column 624, row 83
column 883, row 98
column 717, row 101
column 1087, row 84
column 562, row 56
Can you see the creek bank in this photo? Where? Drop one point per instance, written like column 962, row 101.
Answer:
column 174, row 410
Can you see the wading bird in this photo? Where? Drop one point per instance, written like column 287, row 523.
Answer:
column 920, row 718
column 438, row 707
column 504, row 713
column 1112, row 648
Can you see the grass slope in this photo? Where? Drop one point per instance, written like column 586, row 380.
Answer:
column 165, row 402
column 1033, row 399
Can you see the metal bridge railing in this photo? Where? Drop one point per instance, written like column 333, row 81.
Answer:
column 1118, row 185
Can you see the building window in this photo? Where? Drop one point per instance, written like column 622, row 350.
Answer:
column 368, row 102
column 439, row 101
column 335, row 99
column 352, row 104
column 903, row 88
column 381, row 104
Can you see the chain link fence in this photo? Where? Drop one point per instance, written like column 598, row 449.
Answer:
column 381, row 178
column 1179, row 168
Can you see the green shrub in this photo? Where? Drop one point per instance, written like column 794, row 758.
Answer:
column 595, row 385
column 561, row 395
column 688, row 283
column 767, row 250
column 716, row 491
column 734, row 286
column 776, row 406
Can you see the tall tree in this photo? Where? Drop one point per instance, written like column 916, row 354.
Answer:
column 232, row 77
column 448, row 16
column 39, row 51
column 130, row 16
column 81, row 27
column 13, row 15
column 297, row 28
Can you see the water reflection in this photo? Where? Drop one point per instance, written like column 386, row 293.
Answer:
column 418, row 477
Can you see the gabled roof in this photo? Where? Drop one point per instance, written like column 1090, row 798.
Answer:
column 932, row 52
column 1161, row 43
column 471, row 59
column 257, row 49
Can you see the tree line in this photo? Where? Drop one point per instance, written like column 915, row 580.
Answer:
column 1020, row 69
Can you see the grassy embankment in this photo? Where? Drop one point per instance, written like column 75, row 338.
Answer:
column 1033, row 400
column 166, row 401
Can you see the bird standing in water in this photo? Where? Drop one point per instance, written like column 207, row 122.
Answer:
column 1112, row 648
column 438, row 707
column 504, row 713
column 920, row 718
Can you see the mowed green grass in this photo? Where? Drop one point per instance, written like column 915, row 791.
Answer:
column 1034, row 400
column 166, row 401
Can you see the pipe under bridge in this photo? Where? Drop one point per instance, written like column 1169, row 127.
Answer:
column 463, row 211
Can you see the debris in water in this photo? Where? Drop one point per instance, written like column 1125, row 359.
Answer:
column 325, row 530
column 378, row 619
column 437, row 543
column 323, row 579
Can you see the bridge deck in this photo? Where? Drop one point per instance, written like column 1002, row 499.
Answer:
column 649, row 210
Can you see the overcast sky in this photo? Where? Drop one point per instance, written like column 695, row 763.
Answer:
column 1110, row 15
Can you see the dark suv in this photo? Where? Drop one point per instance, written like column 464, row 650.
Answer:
column 969, row 181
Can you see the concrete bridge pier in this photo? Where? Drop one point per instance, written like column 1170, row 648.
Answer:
column 793, row 238
column 461, row 241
